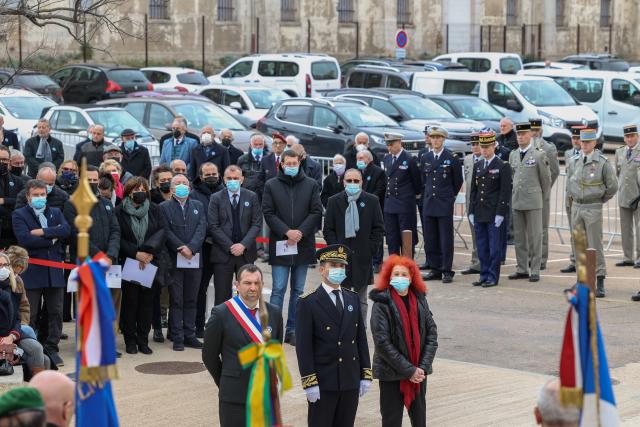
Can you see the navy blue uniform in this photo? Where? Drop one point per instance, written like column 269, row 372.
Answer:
column 442, row 181
column 490, row 196
column 332, row 354
column 403, row 184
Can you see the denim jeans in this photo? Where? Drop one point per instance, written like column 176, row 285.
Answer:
column 280, row 275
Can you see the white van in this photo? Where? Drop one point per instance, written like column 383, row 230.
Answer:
column 614, row 96
column 298, row 74
column 485, row 62
column 518, row 97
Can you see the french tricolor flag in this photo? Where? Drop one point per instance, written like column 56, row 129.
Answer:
column 584, row 371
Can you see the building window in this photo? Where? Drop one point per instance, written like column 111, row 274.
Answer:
column 512, row 12
column 345, row 11
column 288, row 11
column 225, row 10
column 605, row 13
column 404, row 12
column 158, row 9
column 560, row 22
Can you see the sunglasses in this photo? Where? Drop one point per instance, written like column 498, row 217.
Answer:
column 352, row 181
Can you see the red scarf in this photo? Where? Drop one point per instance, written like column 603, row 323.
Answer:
column 411, row 332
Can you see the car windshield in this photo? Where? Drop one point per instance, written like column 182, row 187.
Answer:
column 265, row 98
column 544, row 93
column 34, row 80
column 192, row 78
column 361, row 116
column 115, row 121
column 26, row 107
column 616, row 66
column 420, row 108
column 476, row 109
column 199, row 114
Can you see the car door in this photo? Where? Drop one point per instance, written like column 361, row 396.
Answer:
column 239, row 73
column 68, row 125
column 623, row 107
column 505, row 100
column 80, row 87
column 64, row 78
column 213, row 94
column 160, row 117
column 293, row 120
column 326, row 133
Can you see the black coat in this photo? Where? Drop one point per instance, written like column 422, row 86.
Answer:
column 56, row 199
column 332, row 185
column 269, row 166
column 442, row 180
column 10, row 187
column 509, row 140
column 223, row 338
column 87, row 149
column 254, row 175
column 10, row 139
column 490, row 190
column 292, row 203
column 202, row 193
column 390, row 356
column 375, row 182
column 31, row 148
column 234, row 154
column 137, row 161
column 350, row 154
column 218, row 155
column 186, row 227
column 368, row 238
column 154, row 239
column 9, row 310
column 313, row 170
column 104, row 235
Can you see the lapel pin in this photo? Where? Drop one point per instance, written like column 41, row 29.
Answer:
column 350, row 307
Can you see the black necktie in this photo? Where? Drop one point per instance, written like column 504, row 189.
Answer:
column 437, row 157
column 522, row 154
column 584, row 160
column 629, row 153
column 393, row 160
column 486, row 163
column 339, row 305
column 235, row 201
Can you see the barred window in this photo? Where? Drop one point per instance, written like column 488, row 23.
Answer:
column 512, row 12
column 605, row 13
column 404, row 12
column 560, row 8
column 158, row 9
column 288, row 11
column 225, row 10
column 345, row 11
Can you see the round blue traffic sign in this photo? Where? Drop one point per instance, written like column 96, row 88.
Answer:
column 401, row 39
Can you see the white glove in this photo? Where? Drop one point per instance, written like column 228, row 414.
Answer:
column 471, row 216
column 364, row 387
column 313, row 393
column 498, row 220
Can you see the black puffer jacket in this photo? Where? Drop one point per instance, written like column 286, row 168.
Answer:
column 390, row 357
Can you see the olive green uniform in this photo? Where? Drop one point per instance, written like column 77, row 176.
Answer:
column 554, row 169
column 568, row 154
column 628, row 172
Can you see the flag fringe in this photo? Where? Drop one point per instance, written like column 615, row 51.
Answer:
column 98, row 373
column 571, row 396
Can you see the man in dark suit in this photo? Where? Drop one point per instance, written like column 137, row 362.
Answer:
column 271, row 161
column 226, row 139
column 442, row 177
column 489, row 204
column 17, row 165
column 374, row 181
column 310, row 167
column 10, row 186
column 232, row 326
column 8, row 138
column 507, row 137
column 235, row 220
column 135, row 157
column 403, row 185
column 42, row 148
column 40, row 230
column 208, row 152
column 331, row 345
column 354, row 218
column 186, row 227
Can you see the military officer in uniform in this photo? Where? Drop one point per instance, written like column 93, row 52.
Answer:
column 531, row 184
column 442, row 178
column 423, row 152
column 331, row 345
column 628, row 172
column 554, row 168
column 490, row 196
column 593, row 182
column 575, row 150
column 469, row 161
column 403, row 185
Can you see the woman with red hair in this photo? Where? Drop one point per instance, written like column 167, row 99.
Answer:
column 406, row 340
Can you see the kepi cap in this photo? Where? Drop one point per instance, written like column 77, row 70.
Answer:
column 535, row 123
column 334, row 253
column 588, row 135
column 575, row 130
column 19, row 399
column 630, row 129
column 475, row 138
column 488, row 138
column 390, row 137
column 523, row 127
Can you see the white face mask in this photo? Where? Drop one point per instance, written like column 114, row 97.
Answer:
column 206, row 138
column 361, row 147
column 4, row 274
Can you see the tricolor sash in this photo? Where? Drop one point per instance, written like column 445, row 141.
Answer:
column 249, row 323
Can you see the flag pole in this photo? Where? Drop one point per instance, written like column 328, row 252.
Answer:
column 273, row 382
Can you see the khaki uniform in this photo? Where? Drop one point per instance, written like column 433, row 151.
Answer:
column 468, row 172
column 593, row 182
column 568, row 154
column 554, row 169
column 531, row 186
column 628, row 172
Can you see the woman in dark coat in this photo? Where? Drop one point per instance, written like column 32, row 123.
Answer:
column 333, row 183
column 405, row 338
column 142, row 239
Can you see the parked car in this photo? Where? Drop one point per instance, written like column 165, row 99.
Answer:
column 21, row 110
column 252, row 102
column 69, row 124
column 175, row 78
column 85, row 83
column 414, row 110
column 485, row 62
column 553, row 66
column 378, row 76
column 614, row 96
column 157, row 114
column 598, row 61
column 472, row 108
column 436, row 65
column 327, row 126
column 32, row 80
column 298, row 74
column 346, row 66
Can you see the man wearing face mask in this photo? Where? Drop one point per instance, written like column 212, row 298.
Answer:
column 360, row 143
column 334, row 182
column 251, row 165
column 161, row 177
column 135, row 157
column 42, row 148
column 271, row 161
column 179, row 146
column 17, row 165
column 56, row 197
column 169, row 135
column 40, row 229
column 8, row 138
column 354, row 218
column 208, row 152
column 330, row 323
column 186, row 226
column 92, row 148
column 10, row 186
column 226, row 139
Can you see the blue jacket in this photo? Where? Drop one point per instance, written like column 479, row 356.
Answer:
column 184, row 152
column 403, row 183
column 47, row 247
column 442, row 180
column 184, row 227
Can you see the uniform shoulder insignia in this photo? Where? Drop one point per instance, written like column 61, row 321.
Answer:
column 603, row 156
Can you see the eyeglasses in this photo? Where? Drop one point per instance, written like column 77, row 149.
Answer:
column 352, row 181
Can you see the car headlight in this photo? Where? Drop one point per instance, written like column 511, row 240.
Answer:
column 376, row 139
column 551, row 120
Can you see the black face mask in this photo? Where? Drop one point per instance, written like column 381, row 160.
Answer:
column 17, row 170
column 139, row 197
column 165, row 187
column 211, row 181
column 226, row 142
column 176, row 133
column 94, row 187
column 4, row 168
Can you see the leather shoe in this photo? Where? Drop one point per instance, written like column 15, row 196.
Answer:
column 469, row 271
column 292, row 339
column 157, row 335
column 131, row 349
column 178, row 346
column 424, row 266
column 534, row 278
column 200, row 333
column 568, row 269
column 432, row 275
column 624, row 264
column 543, row 266
column 447, row 277
column 477, row 283
column 144, row 349
column 516, row 275
column 489, row 284
column 192, row 342
column 636, row 297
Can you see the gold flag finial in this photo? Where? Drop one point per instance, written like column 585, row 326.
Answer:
column 580, row 244
column 83, row 199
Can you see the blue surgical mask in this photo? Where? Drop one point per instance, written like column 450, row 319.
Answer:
column 352, row 188
column 337, row 275
column 38, row 203
column 129, row 145
column 49, row 188
column 339, row 169
column 291, row 170
column 233, row 185
column 257, row 152
column 182, row 191
column 361, row 164
column 400, row 284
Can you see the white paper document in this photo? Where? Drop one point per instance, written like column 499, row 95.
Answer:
column 131, row 272
column 114, row 277
column 182, row 262
column 284, row 248
column 72, row 284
